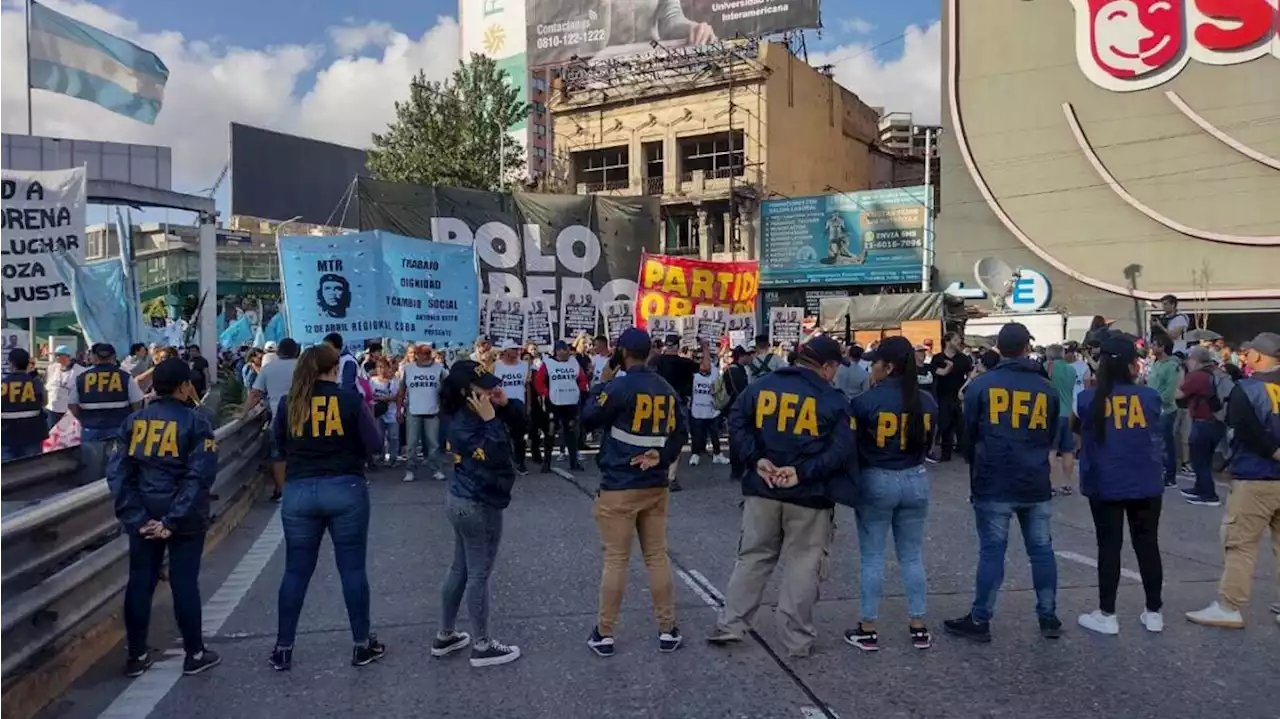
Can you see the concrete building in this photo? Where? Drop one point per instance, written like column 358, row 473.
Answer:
column 1113, row 181
column 763, row 123
column 900, row 135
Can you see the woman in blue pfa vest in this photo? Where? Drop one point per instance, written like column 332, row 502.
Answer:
column 24, row 425
column 160, row 479
column 325, row 433
column 480, row 489
column 1122, row 474
column 894, row 421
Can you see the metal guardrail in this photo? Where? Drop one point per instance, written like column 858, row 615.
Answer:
column 40, row 476
column 63, row 558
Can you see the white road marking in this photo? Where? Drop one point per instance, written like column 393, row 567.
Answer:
column 711, row 588
column 146, row 692
column 563, row 473
column 697, row 589
column 1090, row 561
column 816, row 713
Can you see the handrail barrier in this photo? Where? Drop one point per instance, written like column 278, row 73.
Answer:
column 65, row 562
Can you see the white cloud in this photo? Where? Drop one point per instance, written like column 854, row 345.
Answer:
column 211, row 85
column 911, row 82
column 856, row 26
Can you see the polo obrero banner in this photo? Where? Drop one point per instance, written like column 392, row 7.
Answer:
column 675, row 286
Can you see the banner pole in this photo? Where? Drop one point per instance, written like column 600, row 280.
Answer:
column 27, row 8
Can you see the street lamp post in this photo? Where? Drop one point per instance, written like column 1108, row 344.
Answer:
column 288, row 323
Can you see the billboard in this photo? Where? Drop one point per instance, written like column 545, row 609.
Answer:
column 496, row 28
column 144, row 165
column 563, row 30
column 277, row 176
column 848, row 238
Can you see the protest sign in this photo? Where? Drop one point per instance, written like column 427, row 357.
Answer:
column 618, row 316
column 371, row 285
column 673, row 286
column 537, row 323
column 43, row 214
column 784, row 325
column 711, row 322
column 484, row 315
column 661, row 326
column 578, row 316
column 687, row 328
column 741, row 330
column 506, row 320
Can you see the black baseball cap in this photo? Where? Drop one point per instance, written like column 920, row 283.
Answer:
column 560, row 345
column 1266, row 344
column 1013, row 337
column 169, row 375
column 469, row 372
column 103, row 350
column 635, row 340
column 1120, row 347
column 822, row 349
column 19, row 358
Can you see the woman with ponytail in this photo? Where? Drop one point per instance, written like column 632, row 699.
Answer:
column 1122, row 474
column 325, row 433
column 895, row 424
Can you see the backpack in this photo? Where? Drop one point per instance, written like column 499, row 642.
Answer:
column 760, row 367
column 1222, row 386
column 720, row 394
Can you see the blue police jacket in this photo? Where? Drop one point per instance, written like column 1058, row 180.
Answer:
column 1011, row 420
column 482, row 458
column 336, row 439
column 1253, row 411
column 1129, row 463
column 103, row 392
column 639, row 412
column 22, row 399
column 794, row 418
column 880, row 420
column 165, row 468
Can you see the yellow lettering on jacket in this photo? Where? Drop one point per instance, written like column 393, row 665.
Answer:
column 1016, row 406
column 1125, row 412
column 889, row 424
column 20, row 391
column 326, row 417
column 1273, row 394
column 793, row 414
column 154, row 438
column 657, row 411
column 103, row 381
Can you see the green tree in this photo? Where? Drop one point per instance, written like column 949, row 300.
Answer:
column 454, row 133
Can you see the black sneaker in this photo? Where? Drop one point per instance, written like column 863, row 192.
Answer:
column 675, row 486
column 136, row 666
column 546, row 467
column 365, row 655
column 199, row 662
column 522, row 470
column 281, row 660
column 443, row 646
column 276, row 496
column 491, row 654
column 865, row 639
column 969, row 628
column 601, row 644
column 1200, row 501
column 669, row 641
column 1051, row 628
column 920, row 637
column 576, row 466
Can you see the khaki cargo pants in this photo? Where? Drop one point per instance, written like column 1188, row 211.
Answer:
column 622, row 515
column 1252, row 507
column 800, row 539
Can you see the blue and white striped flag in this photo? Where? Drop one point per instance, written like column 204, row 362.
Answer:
column 69, row 57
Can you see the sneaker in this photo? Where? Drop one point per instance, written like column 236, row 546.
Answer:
column 136, row 666
column 1216, row 615
column 669, row 641
column 365, row 654
column 522, row 470
column 546, row 467
column 1101, row 623
column 720, row 459
column 599, row 643
column 920, row 637
column 276, row 496
column 576, row 466
column 694, row 460
column 1153, row 621
column 1275, row 608
column 865, row 639
column 1065, row 490
column 1050, row 628
column 445, row 644
column 281, row 660
column 675, row 486
column 492, row 653
column 969, row 628
column 721, row 637
column 200, row 661
column 1170, row 483
column 1202, row 501
column 1186, row 471
column 408, row 476
column 438, row 476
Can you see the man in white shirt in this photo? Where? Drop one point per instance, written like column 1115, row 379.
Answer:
column 517, row 379
column 706, row 418
column 1173, row 323
column 272, row 385
column 561, row 382
column 419, row 404
column 59, row 382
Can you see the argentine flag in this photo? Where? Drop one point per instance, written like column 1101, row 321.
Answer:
column 69, row 57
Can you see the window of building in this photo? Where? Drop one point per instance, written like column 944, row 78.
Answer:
column 539, row 129
column 540, row 152
column 607, row 168
column 539, row 84
column 539, row 108
column 719, row 155
column 682, row 235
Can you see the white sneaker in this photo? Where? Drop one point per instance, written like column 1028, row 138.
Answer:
column 1215, row 615
column 1101, row 623
column 439, row 476
column 719, row 459
column 408, row 476
column 694, row 460
column 1153, row 621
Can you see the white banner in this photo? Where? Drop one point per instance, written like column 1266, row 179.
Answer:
column 43, row 213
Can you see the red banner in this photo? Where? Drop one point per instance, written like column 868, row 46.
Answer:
column 674, row 286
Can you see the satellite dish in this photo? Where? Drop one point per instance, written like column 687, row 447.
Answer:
column 996, row 277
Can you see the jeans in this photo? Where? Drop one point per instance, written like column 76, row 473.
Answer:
column 993, row 520
column 423, row 431
column 703, row 430
column 477, row 531
column 1144, row 531
column 564, row 422
column 340, row 505
column 8, row 453
column 94, row 454
column 146, row 556
column 1205, row 435
column 391, row 440
column 1168, row 423
column 896, row 499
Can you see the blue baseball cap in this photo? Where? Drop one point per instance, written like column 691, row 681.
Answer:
column 634, row 339
column 1013, row 337
column 822, row 349
column 62, row 350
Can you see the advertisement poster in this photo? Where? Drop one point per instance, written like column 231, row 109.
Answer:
column 561, row 30
column 849, row 238
column 784, row 325
column 537, row 324
column 578, row 316
column 618, row 316
column 43, row 214
column 674, row 286
column 506, row 320
column 371, row 285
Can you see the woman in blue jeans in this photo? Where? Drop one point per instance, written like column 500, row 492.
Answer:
column 326, row 434
column 894, row 421
column 479, row 490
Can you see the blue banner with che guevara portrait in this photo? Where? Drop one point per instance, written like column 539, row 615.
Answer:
column 376, row 284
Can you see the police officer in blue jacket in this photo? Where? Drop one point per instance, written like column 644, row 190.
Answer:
column 160, row 479
column 1122, row 474
column 643, row 427
column 1253, row 505
column 101, row 397
column 24, row 426
column 1011, row 419
column 791, row 428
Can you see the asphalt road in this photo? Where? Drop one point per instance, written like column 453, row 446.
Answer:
column 544, row 593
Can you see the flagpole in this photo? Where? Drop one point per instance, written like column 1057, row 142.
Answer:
column 30, row 127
